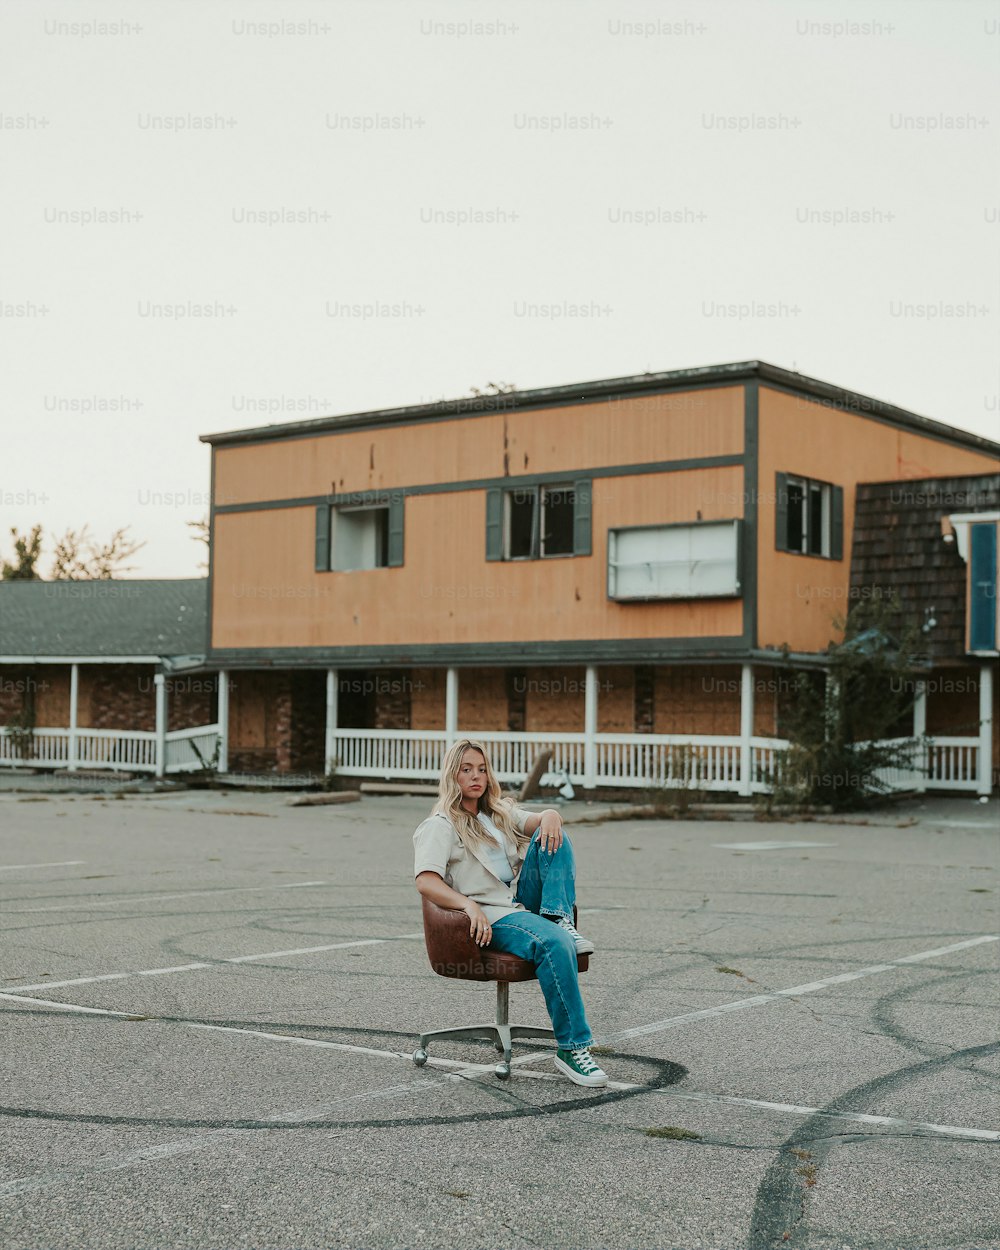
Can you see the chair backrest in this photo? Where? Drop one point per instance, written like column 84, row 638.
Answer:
column 450, row 947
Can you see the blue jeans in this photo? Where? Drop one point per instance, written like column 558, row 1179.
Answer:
column 546, row 885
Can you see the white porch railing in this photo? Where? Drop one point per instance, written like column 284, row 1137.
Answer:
column 695, row 761
column 702, row 762
column 189, row 750
column 670, row 761
column 110, row 750
column 947, row 763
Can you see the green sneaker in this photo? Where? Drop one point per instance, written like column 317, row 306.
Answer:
column 579, row 1066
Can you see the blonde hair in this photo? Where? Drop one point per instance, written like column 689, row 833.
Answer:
column 492, row 802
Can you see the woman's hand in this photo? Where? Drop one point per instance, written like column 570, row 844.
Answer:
column 480, row 929
column 550, row 834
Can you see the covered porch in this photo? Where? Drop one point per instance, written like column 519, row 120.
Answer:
column 424, row 711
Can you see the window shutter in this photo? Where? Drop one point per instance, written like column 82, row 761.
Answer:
column 837, row 523
column 494, row 523
column 983, row 586
column 582, row 489
column 396, row 505
column 322, row 538
column 781, row 511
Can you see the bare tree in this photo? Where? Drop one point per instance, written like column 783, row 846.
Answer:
column 78, row 558
column 200, row 534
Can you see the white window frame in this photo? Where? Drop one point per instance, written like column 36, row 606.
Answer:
column 807, row 485
column 732, row 589
column 537, row 551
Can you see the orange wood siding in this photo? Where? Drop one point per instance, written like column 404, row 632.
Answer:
column 800, row 596
column 266, row 592
column 633, row 430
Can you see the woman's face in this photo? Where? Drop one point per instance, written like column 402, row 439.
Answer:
column 472, row 774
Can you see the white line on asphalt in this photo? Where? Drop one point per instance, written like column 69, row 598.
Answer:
column 465, row 1070
column 238, row 959
column 63, row 863
column 187, row 1145
column 854, row 1117
column 92, row 1011
column 963, row 824
column 159, row 898
column 758, row 1000
column 767, row 846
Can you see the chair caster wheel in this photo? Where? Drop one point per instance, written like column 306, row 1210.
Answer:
column 503, row 1071
column 420, row 1057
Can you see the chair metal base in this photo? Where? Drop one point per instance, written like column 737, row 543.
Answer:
column 501, row 1031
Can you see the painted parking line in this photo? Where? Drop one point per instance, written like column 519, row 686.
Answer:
column 758, row 1000
column 133, row 899
column 767, row 846
column 238, row 959
column 852, row 1117
column 425, row 1084
column 963, row 824
column 465, row 1071
column 201, row 1141
column 63, row 863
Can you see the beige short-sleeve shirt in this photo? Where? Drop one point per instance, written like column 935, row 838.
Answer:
column 437, row 848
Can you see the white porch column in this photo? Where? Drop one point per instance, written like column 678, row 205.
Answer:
column 746, row 728
column 161, row 723
column 590, row 729
column 919, row 730
column 74, row 699
column 223, row 692
column 331, row 717
column 985, row 729
column 451, row 707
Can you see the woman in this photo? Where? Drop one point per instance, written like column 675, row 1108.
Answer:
column 511, row 871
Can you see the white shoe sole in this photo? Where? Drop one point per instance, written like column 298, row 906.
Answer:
column 583, row 947
column 594, row 1082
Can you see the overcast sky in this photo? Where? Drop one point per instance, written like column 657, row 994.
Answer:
column 380, row 203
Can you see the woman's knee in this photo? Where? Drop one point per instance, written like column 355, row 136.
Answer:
column 558, row 943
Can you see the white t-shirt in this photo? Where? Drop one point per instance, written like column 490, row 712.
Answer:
column 497, row 855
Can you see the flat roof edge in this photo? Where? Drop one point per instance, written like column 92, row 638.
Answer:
column 637, row 384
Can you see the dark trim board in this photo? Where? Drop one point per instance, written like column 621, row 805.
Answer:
column 609, row 389
column 211, row 558
column 584, row 651
column 382, row 495
column 751, row 486
column 318, row 660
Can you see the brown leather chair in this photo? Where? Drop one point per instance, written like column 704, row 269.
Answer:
column 453, row 953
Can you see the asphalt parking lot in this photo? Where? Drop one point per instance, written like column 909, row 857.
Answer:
column 209, row 1002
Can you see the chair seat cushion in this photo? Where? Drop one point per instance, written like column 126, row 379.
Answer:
column 453, row 953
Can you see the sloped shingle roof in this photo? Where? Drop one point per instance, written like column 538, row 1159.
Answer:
column 104, row 618
column 898, row 546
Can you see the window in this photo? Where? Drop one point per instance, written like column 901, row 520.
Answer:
column 809, row 517
column 983, row 586
column 978, row 542
column 695, row 561
column 359, row 538
column 352, row 538
column 538, row 521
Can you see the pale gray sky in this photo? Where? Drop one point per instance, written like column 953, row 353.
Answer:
column 382, row 203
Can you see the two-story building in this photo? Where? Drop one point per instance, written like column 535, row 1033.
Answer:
column 627, row 571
